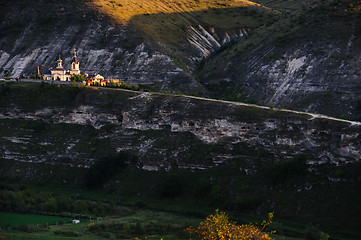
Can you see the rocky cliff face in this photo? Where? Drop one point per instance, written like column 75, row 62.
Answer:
column 32, row 40
column 308, row 62
column 281, row 133
column 167, row 131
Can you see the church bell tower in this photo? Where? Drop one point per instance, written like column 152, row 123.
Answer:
column 75, row 65
column 60, row 65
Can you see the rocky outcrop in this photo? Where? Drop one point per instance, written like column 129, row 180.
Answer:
column 208, row 42
column 310, row 66
column 282, row 133
column 165, row 130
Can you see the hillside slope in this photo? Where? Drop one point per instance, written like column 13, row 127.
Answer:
column 291, row 54
column 155, row 42
column 188, row 30
column 241, row 157
column 308, row 61
column 29, row 40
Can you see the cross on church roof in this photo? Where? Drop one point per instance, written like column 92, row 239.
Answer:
column 75, row 59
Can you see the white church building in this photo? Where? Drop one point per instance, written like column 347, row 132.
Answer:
column 60, row 74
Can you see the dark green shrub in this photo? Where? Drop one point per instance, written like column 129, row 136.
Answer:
column 4, row 89
column 246, row 203
column 67, row 233
column 278, row 227
column 283, row 170
column 105, row 168
column 172, row 186
column 141, row 204
column 37, row 126
column 203, row 188
column 217, row 195
column 312, row 232
column 30, row 228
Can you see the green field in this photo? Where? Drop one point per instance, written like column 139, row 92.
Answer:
column 133, row 217
column 140, row 223
column 16, row 219
column 136, row 223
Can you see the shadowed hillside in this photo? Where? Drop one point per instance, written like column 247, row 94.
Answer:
column 239, row 157
column 158, row 46
column 173, row 25
column 32, row 40
column 309, row 61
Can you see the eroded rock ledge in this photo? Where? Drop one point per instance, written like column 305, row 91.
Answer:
column 170, row 130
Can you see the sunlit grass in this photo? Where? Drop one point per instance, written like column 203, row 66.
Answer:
column 124, row 10
column 167, row 22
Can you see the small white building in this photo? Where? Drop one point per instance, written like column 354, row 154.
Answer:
column 60, row 74
column 75, row 221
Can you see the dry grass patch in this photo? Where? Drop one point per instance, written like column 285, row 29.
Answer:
column 124, row 10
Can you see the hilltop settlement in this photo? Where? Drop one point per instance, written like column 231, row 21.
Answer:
column 61, row 74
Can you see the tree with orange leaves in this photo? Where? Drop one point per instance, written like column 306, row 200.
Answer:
column 219, row 227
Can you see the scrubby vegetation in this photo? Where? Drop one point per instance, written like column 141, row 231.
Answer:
column 218, row 226
column 105, row 168
column 280, row 172
column 19, row 198
column 122, row 230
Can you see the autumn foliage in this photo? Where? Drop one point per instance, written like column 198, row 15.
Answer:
column 347, row 6
column 219, row 227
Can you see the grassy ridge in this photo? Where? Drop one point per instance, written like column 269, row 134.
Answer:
column 285, row 5
column 124, row 10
